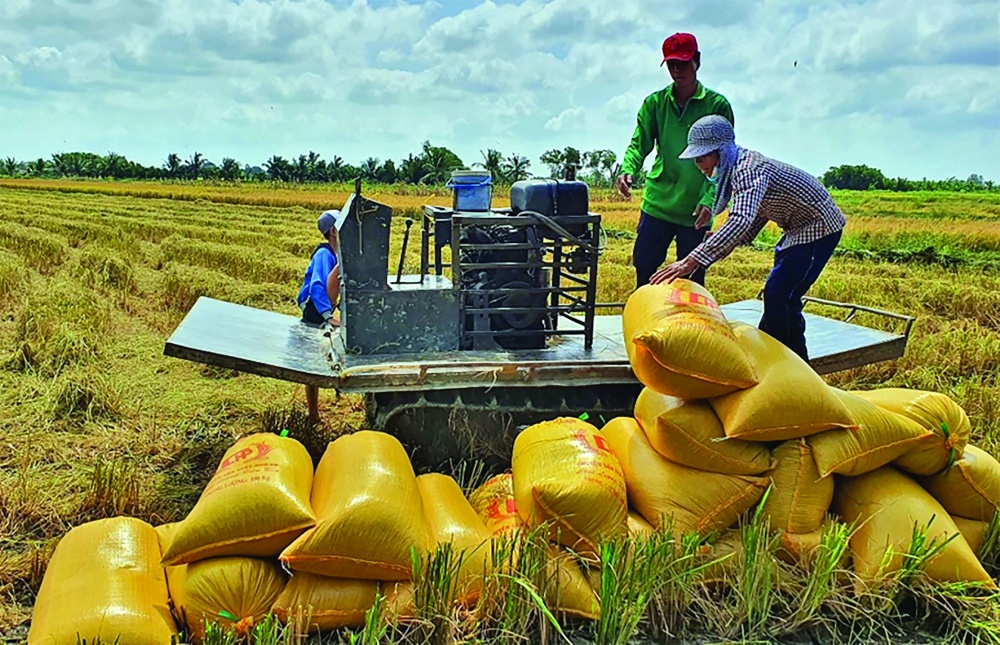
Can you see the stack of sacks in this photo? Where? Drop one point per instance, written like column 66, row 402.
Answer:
column 370, row 516
column 566, row 590
column 729, row 400
column 234, row 591
column 220, row 558
column 104, row 584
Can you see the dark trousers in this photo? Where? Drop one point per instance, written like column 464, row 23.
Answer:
column 795, row 270
column 652, row 240
column 311, row 315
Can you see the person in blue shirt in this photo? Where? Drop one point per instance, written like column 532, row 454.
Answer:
column 321, row 288
column 321, row 285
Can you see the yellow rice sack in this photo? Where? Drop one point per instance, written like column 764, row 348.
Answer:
column 800, row 548
column 679, row 342
column 791, row 400
column 721, row 560
column 495, row 504
column 934, row 412
column 799, row 498
column 886, row 505
column 665, row 492
column 689, row 433
column 638, row 527
column 234, row 591
column 104, row 583
column 974, row 532
column 879, row 437
column 256, row 503
column 399, row 602
column 564, row 473
column 567, row 590
column 452, row 520
column 971, row 488
column 329, row 603
column 369, row 510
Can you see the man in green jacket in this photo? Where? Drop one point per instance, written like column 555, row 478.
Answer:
column 677, row 199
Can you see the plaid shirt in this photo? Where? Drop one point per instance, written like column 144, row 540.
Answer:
column 765, row 189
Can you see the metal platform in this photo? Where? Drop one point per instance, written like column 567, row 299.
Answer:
column 275, row 345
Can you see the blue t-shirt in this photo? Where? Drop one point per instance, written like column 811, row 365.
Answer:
column 322, row 263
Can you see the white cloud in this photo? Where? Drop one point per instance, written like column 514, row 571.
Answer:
column 891, row 83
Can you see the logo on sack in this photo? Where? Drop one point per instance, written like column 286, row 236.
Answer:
column 593, row 441
column 254, row 452
column 690, row 299
column 497, row 512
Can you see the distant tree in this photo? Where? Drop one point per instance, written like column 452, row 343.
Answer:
column 559, row 160
column 411, row 169
column 194, row 165
column 335, row 169
column 438, row 162
column 10, row 167
column 603, row 165
column 114, row 165
column 974, row 180
column 854, row 178
column 493, row 162
column 230, row 169
column 173, row 165
column 387, row 172
column 555, row 160
column 278, row 168
column 370, row 168
column 515, row 168
column 37, row 168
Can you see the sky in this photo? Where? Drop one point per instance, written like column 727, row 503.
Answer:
column 911, row 87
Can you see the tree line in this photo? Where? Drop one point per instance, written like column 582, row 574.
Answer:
column 432, row 165
column 867, row 178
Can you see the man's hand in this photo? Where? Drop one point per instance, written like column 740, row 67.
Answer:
column 703, row 216
column 671, row 272
column 625, row 186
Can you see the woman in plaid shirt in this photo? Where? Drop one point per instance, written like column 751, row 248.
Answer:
column 761, row 190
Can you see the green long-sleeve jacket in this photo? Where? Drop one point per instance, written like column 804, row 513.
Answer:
column 674, row 187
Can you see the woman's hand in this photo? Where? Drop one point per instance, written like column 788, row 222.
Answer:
column 671, row 272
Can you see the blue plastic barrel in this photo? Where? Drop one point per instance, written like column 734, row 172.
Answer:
column 473, row 189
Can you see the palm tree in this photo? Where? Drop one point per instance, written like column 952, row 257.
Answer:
column 278, row 169
column 10, row 167
column 230, row 169
column 515, row 168
column 195, row 164
column 335, row 169
column 411, row 169
column 438, row 162
column 173, row 164
column 38, row 167
column 493, row 162
column 114, row 165
column 369, row 169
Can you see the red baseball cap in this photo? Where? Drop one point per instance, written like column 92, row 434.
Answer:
column 679, row 47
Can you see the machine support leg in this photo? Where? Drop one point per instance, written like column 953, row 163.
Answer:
column 312, row 402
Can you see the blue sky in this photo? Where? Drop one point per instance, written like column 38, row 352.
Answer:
column 909, row 86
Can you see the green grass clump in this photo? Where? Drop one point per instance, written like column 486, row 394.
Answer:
column 85, row 394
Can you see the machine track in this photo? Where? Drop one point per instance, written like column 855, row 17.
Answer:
column 440, row 428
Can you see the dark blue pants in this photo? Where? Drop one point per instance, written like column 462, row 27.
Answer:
column 652, row 240
column 795, row 270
